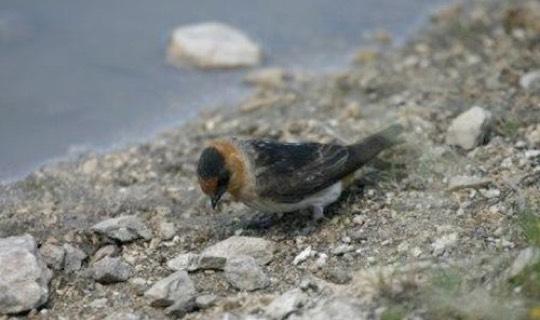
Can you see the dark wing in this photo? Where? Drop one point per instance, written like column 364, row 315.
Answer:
column 288, row 172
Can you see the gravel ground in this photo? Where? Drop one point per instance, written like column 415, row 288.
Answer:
column 430, row 230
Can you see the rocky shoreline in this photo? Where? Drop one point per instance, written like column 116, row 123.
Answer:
column 443, row 226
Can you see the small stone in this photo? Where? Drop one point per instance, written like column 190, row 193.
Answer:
column 526, row 258
column 286, row 304
column 123, row 229
column 177, row 287
column 533, row 137
column 111, row 270
column 24, row 277
column 490, row 193
column 123, row 316
column 416, row 252
column 441, row 244
column 212, row 45
column 139, row 285
column 302, row 256
column 338, row 275
column 321, row 260
column 267, row 77
column 53, row 255
column 462, row 182
column 206, row 301
column 215, row 257
column 470, row 129
column 243, row 273
column 530, row 154
column 188, row 262
column 530, row 80
column 342, row 249
column 99, row 303
column 167, row 230
column 74, row 258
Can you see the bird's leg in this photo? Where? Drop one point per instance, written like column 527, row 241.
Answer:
column 318, row 213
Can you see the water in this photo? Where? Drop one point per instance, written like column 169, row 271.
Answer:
column 79, row 75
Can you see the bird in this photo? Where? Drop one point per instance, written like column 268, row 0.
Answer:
column 274, row 176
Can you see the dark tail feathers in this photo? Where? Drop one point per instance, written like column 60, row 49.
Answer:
column 367, row 149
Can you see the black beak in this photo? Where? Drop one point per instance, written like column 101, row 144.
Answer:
column 217, row 196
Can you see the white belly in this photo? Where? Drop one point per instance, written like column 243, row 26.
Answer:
column 319, row 199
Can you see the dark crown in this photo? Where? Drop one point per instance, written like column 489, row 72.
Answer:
column 211, row 163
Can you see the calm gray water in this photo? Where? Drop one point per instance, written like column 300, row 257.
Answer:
column 79, row 75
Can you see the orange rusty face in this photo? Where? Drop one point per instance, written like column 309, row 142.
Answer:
column 209, row 186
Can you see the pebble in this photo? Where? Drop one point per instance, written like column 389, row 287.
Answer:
column 342, row 249
column 215, row 257
column 243, row 273
column 463, row 182
column 167, row 230
column 123, row 229
column 530, row 154
column 338, row 275
column 24, row 277
column 302, row 256
column 187, row 261
column 176, row 290
column 286, row 304
column 206, row 301
column 530, row 80
column 99, row 303
column 212, row 45
column 74, row 258
column 53, row 255
column 441, row 244
column 470, row 128
column 123, row 316
column 111, row 270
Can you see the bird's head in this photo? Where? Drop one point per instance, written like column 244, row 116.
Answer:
column 213, row 174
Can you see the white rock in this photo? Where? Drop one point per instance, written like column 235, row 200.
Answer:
column 444, row 242
column 123, row 316
column 212, row 45
column 187, row 261
column 470, row 128
column 243, row 273
column 215, row 257
column 123, row 229
column 24, row 277
column 302, row 256
column 286, row 304
column 528, row 80
column 529, row 154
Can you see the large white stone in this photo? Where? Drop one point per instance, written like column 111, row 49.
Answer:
column 470, row 128
column 212, row 45
column 24, row 277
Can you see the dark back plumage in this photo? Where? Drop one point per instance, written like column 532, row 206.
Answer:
column 288, row 172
